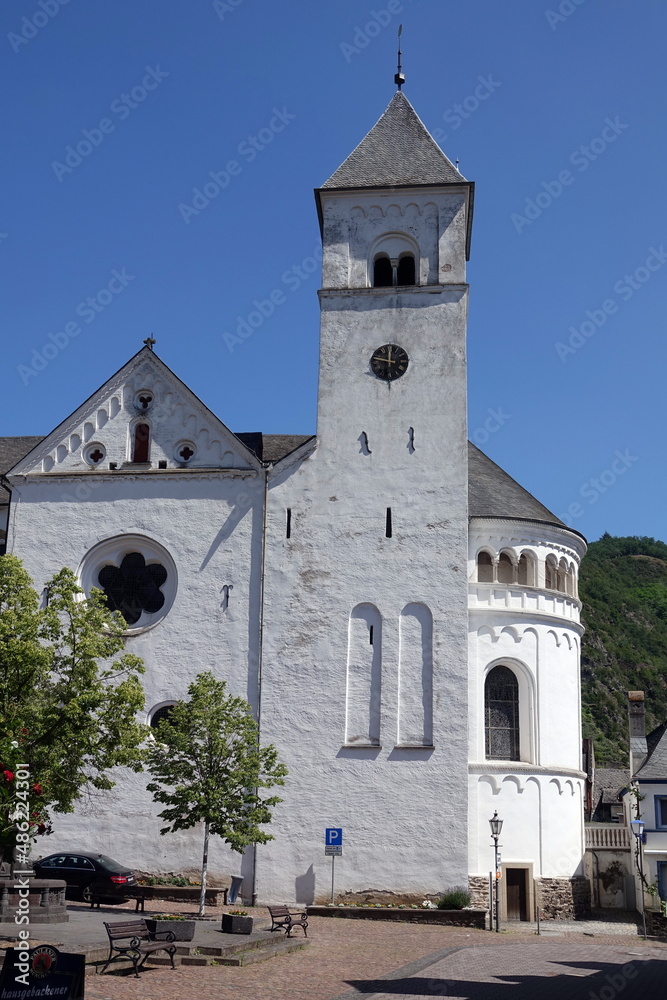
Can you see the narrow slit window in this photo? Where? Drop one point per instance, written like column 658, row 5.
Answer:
column 370, row 635
column 387, row 530
column 142, row 437
column 288, row 525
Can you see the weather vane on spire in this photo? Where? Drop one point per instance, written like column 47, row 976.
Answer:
column 399, row 78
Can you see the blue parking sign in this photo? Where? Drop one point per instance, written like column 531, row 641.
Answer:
column 333, row 836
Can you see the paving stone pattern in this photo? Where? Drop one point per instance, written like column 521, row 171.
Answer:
column 385, row 961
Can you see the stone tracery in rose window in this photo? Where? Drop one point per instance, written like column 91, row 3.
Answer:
column 133, row 588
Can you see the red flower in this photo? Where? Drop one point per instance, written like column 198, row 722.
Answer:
column 37, row 788
column 9, row 775
column 41, row 828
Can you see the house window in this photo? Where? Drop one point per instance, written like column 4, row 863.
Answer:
column 661, row 812
column 501, row 710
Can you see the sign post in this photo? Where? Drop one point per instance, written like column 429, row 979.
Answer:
column 333, row 848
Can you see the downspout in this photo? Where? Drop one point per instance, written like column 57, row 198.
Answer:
column 260, row 648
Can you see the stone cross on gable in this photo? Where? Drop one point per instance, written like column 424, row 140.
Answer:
column 149, row 341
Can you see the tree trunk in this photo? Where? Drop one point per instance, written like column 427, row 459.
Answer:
column 204, row 868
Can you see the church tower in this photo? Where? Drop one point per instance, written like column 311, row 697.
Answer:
column 364, row 668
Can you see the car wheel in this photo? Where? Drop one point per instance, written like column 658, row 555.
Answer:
column 87, row 894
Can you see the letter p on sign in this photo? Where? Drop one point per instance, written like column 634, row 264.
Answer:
column 333, row 836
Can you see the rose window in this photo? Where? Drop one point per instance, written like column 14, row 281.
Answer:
column 133, row 587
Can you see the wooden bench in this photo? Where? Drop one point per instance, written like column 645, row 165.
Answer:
column 282, row 917
column 131, row 939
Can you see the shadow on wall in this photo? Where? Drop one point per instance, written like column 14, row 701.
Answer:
column 304, row 887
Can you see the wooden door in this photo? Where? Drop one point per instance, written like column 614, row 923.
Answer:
column 515, row 881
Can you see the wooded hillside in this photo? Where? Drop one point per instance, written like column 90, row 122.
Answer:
column 623, row 586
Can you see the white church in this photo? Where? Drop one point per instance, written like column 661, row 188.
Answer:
column 400, row 613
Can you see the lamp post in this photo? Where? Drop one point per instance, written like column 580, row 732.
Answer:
column 637, row 826
column 496, row 826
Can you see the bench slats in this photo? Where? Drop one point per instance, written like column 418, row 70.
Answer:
column 139, row 943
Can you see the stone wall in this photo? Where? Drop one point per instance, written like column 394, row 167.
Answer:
column 656, row 925
column 563, row 898
column 479, row 891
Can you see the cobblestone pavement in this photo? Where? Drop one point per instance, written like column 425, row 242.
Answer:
column 379, row 960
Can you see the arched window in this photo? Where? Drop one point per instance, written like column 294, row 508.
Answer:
column 562, row 576
column 572, row 581
column 405, row 274
column 484, row 568
column 141, row 444
column 551, row 574
column 159, row 714
column 383, row 272
column 505, row 569
column 526, row 574
column 501, row 715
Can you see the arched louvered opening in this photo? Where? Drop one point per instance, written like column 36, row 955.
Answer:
column 484, row 568
column 562, row 576
column 383, row 273
column 505, row 568
column 405, row 274
column 501, row 711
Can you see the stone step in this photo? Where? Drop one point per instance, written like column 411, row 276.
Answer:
column 254, row 955
column 247, row 954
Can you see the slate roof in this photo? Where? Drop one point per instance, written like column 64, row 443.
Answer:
column 608, row 782
column 493, row 493
column 273, row 447
column 12, row 450
column 654, row 767
column 397, row 151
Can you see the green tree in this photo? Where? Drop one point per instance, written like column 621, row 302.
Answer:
column 63, row 715
column 209, row 768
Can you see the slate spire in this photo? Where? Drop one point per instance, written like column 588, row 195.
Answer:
column 397, row 151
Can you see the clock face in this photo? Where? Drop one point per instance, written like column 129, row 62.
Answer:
column 389, row 362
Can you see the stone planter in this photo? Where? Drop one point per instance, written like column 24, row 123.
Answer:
column 233, row 924
column 183, row 930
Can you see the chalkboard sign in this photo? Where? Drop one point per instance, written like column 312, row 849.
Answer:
column 42, row 972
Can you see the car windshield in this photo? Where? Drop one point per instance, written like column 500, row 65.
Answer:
column 109, row 863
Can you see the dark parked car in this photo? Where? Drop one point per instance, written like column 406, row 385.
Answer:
column 88, row 875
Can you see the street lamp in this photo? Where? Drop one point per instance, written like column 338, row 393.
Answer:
column 637, row 826
column 496, row 826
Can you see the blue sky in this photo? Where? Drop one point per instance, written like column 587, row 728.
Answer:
column 556, row 111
